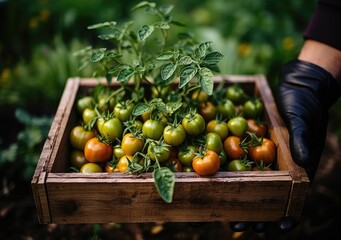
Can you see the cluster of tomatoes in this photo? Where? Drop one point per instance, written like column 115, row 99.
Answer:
column 201, row 133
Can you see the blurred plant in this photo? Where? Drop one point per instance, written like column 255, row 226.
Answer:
column 19, row 159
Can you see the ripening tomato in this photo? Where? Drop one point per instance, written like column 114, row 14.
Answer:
column 153, row 129
column 194, row 124
column 208, row 111
column 218, row 127
column 209, row 164
column 233, row 148
column 118, row 152
column 91, row 168
column 174, row 164
column 174, row 135
column 123, row 163
column 97, row 151
column 213, row 142
column 79, row 136
column 258, row 128
column 200, row 96
column 131, row 145
column 253, row 108
column 264, row 152
column 109, row 168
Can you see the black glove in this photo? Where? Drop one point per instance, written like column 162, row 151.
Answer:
column 304, row 96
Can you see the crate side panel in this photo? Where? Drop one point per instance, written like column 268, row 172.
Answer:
column 136, row 200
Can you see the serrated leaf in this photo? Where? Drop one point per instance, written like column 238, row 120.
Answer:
column 102, row 25
column 186, row 75
column 201, row 49
column 165, row 55
column 140, row 108
column 97, row 55
column 167, row 70
column 125, row 74
column 164, row 180
column 213, row 58
column 185, row 60
column 145, row 32
column 206, row 80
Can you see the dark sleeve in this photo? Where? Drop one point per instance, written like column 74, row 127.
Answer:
column 325, row 24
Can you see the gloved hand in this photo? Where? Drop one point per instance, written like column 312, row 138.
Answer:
column 304, row 96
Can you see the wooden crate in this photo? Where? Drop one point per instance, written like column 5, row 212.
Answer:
column 63, row 197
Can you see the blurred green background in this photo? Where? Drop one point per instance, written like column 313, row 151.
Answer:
column 38, row 39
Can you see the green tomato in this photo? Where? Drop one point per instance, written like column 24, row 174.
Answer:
column 158, row 153
column 227, row 109
column 213, row 142
column 218, row 127
column 186, row 155
column 237, row 126
column 110, row 129
column 253, row 109
column 123, row 110
column 237, row 165
column 85, row 102
column 236, row 94
column 79, row 136
column 174, row 136
column 194, row 124
column 88, row 115
column 153, row 129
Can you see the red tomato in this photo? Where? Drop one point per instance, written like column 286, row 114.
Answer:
column 233, row 148
column 97, row 151
column 264, row 153
column 209, row 164
column 258, row 128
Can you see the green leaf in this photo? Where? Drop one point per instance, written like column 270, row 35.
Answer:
column 164, row 180
column 165, row 55
column 145, row 32
column 162, row 25
column 206, row 80
column 143, row 4
column 166, row 9
column 200, row 51
column 103, row 25
column 213, row 58
column 125, row 74
column 140, row 108
column 186, row 75
column 185, row 60
column 167, row 70
column 97, row 55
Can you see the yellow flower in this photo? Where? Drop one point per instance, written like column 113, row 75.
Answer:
column 288, row 43
column 244, row 49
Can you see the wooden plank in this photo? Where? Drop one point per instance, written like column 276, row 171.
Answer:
column 113, row 198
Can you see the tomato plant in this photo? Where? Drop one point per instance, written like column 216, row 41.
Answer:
column 208, row 164
column 97, row 151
